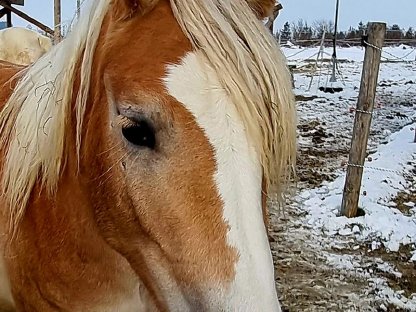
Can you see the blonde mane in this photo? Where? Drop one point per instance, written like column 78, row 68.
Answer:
column 33, row 121
column 236, row 45
column 252, row 69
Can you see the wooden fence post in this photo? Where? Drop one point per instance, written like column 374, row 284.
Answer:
column 364, row 111
column 57, row 21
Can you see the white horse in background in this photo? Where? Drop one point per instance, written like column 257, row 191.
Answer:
column 22, row 46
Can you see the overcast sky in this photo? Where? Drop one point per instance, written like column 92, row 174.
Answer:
column 402, row 12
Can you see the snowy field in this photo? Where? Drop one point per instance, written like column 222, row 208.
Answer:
column 329, row 263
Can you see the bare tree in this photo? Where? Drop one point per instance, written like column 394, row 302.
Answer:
column 297, row 28
column 301, row 30
column 320, row 25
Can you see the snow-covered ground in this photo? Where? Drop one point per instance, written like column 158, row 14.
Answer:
column 331, row 263
column 382, row 221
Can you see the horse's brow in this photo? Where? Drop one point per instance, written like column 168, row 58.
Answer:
column 139, row 97
column 151, row 107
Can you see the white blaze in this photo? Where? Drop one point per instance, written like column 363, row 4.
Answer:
column 238, row 178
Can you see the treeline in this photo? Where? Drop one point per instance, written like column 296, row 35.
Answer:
column 301, row 31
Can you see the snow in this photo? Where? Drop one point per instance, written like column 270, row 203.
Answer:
column 380, row 222
column 388, row 167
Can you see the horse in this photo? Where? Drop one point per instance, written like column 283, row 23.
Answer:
column 22, row 46
column 137, row 157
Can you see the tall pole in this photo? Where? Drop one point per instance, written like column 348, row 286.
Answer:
column 58, row 21
column 334, row 54
column 363, row 116
column 336, row 30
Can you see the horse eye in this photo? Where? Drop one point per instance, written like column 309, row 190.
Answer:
column 140, row 133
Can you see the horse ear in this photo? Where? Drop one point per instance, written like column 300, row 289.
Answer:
column 262, row 8
column 124, row 9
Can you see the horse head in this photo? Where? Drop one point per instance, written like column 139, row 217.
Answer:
column 181, row 120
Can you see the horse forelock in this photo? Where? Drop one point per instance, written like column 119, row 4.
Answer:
column 33, row 123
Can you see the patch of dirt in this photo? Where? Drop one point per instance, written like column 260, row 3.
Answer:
column 310, row 166
column 406, row 201
column 402, row 201
column 305, row 98
column 400, row 259
column 313, row 159
column 304, row 281
column 403, row 279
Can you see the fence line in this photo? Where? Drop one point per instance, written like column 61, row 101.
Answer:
column 390, row 57
column 394, row 58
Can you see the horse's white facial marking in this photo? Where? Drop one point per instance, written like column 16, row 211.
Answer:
column 238, row 179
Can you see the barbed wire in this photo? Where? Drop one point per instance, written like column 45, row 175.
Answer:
column 374, row 168
column 403, row 58
column 392, row 58
column 352, row 40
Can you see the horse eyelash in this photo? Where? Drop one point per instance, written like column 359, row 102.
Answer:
column 125, row 122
